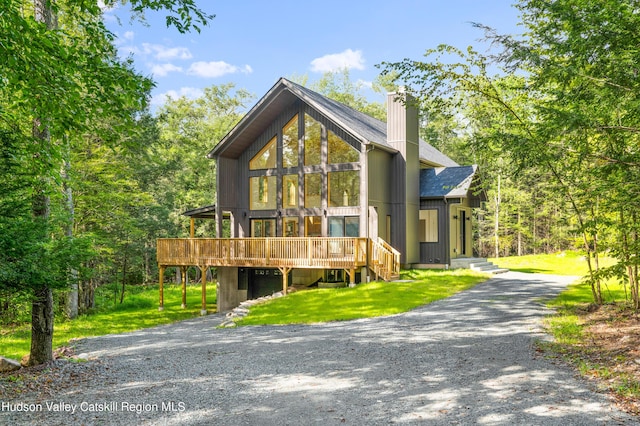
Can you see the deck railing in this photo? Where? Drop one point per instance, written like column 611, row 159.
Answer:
column 300, row 252
column 384, row 260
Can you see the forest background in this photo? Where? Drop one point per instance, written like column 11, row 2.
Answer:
column 91, row 177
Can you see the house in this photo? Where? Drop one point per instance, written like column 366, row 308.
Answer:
column 312, row 191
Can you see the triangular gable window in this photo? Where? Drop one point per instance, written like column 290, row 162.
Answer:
column 266, row 158
column 340, row 151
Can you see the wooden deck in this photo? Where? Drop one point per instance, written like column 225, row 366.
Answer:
column 314, row 253
column 285, row 254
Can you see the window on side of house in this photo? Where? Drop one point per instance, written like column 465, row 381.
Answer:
column 344, row 188
column 263, row 228
column 340, row 151
column 313, row 226
column 290, row 143
column 266, row 157
column 344, row 226
column 429, row 226
column 312, row 141
column 313, row 190
column 289, row 191
column 290, row 226
column 262, row 193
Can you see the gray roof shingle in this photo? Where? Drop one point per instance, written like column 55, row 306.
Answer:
column 361, row 126
column 446, row 182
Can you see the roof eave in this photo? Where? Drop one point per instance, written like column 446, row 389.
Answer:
column 246, row 121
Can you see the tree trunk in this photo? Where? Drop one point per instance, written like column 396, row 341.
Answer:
column 41, row 327
column 519, row 234
column 42, row 304
column 124, row 274
column 71, row 305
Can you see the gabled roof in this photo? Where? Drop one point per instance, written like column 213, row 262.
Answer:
column 447, row 182
column 362, row 127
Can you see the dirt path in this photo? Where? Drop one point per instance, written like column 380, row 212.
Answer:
column 469, row 359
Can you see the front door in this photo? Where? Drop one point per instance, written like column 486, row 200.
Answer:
column 461, row 243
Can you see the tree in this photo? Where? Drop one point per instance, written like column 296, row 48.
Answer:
column 183, row 178
column 61, row 76
column 575, row 118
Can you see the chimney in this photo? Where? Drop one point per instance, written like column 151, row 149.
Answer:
column 402, row 134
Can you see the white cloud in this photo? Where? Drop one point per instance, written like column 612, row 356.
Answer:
column 187, row 92
column 164, row 53
column 215, row 69
column 161, row 70
column 129, row 35
column 364, row 83
column 338, row 61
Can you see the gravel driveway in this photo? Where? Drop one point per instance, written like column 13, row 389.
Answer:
column 468, row 359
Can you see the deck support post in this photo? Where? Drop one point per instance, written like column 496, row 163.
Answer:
column 192, row 227
column 161, row 279
column 183, row 277
column 352, row 276
column 285, row 278
column 203, row 310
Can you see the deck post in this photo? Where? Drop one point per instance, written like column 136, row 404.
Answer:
column 161, row 279
column 203, row 310
column 183, row 277
column 285, row 278
column 192, row 227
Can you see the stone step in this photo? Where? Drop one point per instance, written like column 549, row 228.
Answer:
column 480, row 264
column 487, row 267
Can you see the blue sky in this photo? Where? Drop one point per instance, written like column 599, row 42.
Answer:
column 252, row 43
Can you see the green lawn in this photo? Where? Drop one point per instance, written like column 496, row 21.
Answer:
column 363, row 301
column 565, row 263
column 139, row 310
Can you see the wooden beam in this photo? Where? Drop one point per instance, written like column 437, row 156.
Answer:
column 192, row 228
column 352, row 276
column 161, row 279
column 203, row 309
column 285, row 278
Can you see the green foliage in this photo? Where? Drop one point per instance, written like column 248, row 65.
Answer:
column 177, row 173
column 63, row 87
column 138, row 311
column 338, row 86
column 363, row 301
column 567, row 114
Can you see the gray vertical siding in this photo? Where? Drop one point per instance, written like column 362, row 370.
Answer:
column 437, row 253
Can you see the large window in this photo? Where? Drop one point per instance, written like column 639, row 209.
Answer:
column 429, row 226
column 305, row 165
column 340, row 151
column 263, row 193
column 266, row 158
column 263, row 228
column 289, row 191
column 344, row 188
column 313, row 190
column 290, row 143
column 313, row 226
column 290, row 225
column 312, row 141
column 344, row 226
